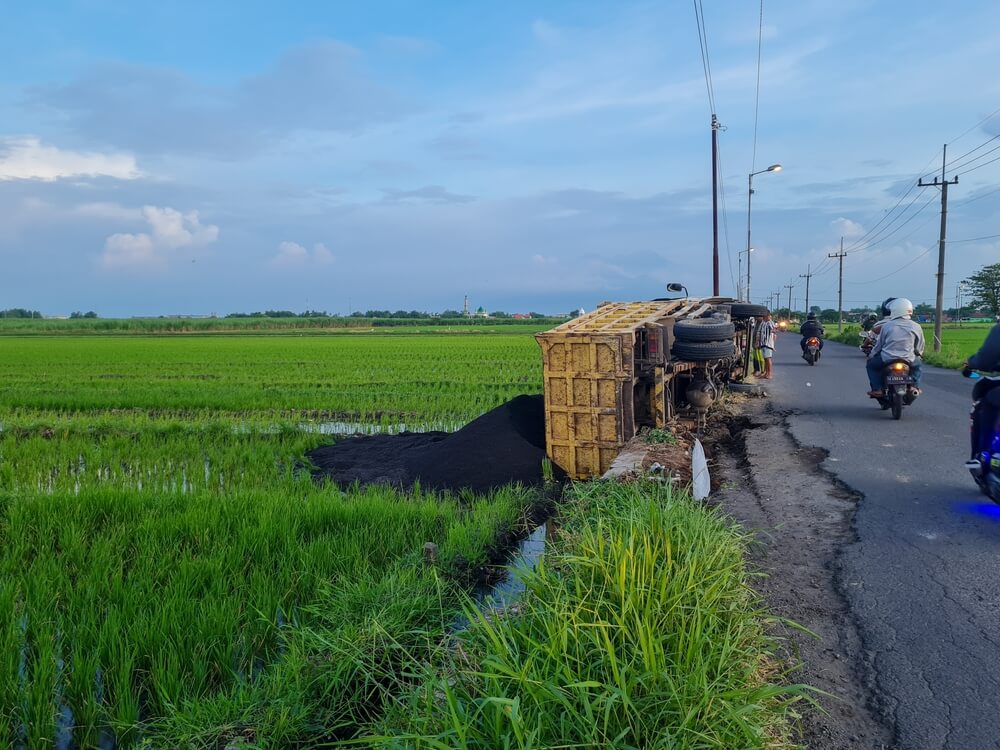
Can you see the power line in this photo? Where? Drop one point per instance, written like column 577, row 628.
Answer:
column 893, row 273
column 974, row 239
column 988, row 117
column 971, row 151
column 957, row 167
column 725, row 216
column 980, row 166
column 699, row 17
column 978, row 197
column 912, row 216
column 862, row 240
column 888, row 213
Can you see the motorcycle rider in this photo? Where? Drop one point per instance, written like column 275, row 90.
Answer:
column 810, row 328
column 986, row 393
column 898, row 338
column 868, row 323
column 874, row 325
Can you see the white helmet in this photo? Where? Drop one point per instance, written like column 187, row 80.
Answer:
column 900, row 308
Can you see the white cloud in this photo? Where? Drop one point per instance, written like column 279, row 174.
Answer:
column 294, row 255
column 28, row 159
column 847, row 228
column 170, row 230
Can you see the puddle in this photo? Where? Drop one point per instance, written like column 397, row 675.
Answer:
column 524, row 560
column 505, row 592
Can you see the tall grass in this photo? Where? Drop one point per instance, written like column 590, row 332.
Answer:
column 640, row 630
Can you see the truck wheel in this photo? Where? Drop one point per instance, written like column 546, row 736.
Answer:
column 703, row 329
column 701, row 351
column 744, row 310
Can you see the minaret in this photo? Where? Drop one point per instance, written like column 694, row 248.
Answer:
column 465, row 308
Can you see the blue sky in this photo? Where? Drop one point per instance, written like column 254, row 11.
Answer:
column 195, row 158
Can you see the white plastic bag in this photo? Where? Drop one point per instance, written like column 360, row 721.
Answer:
column 701, row 484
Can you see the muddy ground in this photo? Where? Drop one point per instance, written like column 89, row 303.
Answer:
column 801, row 518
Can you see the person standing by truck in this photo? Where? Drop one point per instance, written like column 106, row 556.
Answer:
column 766, row 340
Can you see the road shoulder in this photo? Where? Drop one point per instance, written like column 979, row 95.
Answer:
column 801, row 518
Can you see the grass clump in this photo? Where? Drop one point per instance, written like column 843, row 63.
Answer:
column 657, row 436
column 640, row 630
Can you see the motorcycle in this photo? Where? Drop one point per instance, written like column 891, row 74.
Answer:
column 812, row 350
column 899, row 389
column 985, row 462
column 867, row 341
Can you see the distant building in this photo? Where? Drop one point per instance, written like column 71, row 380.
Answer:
column 521, row 316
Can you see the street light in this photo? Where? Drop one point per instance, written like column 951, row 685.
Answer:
column 739, row 255
column 772, row 168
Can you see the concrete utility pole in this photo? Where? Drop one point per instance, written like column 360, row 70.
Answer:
column 943, row 184
column 789, row 287
column 715, row 207
column 807, row 275
column 840, row 286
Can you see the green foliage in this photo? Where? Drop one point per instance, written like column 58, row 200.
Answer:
column 663, row 437
column 639, row 630
column 168, row 569
column 984, row 288
column 19, row 312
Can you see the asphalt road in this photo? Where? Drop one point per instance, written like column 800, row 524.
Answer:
column 923, row 577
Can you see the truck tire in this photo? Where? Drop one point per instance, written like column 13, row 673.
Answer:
column 744, row 310
column 703, row 329
column 702, row 351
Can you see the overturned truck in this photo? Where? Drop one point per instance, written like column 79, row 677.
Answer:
column 629, row 365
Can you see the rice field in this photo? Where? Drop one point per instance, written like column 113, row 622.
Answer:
column 171, row 576
column 958, row 343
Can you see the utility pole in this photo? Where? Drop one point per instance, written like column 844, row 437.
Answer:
column 943, row 184
column 715, row 207
column 840, row 286
column 807, row 275
column 789, row 287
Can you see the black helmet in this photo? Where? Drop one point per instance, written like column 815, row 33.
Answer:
column 811, row 316
column 885, row 307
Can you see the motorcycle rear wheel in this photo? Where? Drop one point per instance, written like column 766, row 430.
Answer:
column 897, row 404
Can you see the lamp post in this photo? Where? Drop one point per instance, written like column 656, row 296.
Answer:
column 739, row 290
column 772, row 168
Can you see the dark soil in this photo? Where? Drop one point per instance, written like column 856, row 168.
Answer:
column 503, row 446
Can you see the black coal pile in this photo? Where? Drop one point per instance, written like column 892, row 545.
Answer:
column 501, row 447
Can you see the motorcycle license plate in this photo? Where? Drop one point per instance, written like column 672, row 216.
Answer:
column 897, row 379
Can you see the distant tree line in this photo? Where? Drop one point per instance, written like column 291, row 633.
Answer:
column 19, row 312
column 378, row 314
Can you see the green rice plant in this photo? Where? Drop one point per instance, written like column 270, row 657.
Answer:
column 639, row 630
